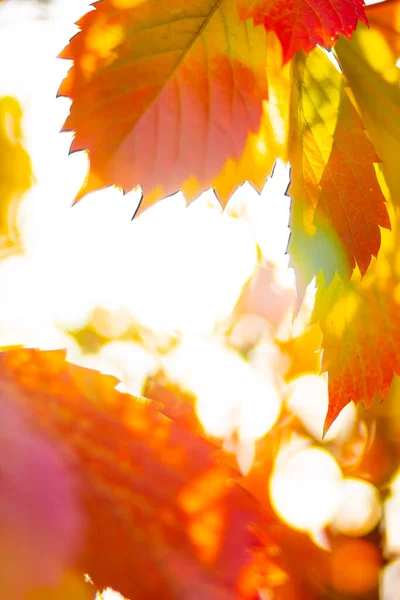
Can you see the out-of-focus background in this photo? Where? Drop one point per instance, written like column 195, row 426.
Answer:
column 195, row 303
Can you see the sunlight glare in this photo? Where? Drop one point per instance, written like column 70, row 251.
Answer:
column 231, row 396
column 391, row 512
column 390, row 581
column 359, row 509
column 109, row 594
column 130, row 362
column 305, row 488
column 161, row 267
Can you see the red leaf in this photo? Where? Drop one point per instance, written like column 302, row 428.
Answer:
column 163, row 91
column 303, row 24
column 163, row 517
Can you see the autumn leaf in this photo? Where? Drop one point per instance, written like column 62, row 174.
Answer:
column 162, row 516
column 369, row 66
column 303, row 24
column 360, row 324
column 263, row 147
column 338, row 207
column 162, row 91
column 15, row 169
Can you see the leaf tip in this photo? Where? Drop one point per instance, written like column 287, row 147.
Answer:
column 331, row 416
column 325, row 429
column 91, row 183
column 329, row 419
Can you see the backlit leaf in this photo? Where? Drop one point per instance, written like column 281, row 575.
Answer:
column 360, row 322
column 163, row 91
column 369, row 65
column 163, row 516
column 263, row 147
column 303, row 24
column 338, row 207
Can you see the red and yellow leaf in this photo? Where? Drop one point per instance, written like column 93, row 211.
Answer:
column 162, row 516
column 360, row 323
column 338, row 207
column 303, row 24
column 163, row 91
column 263, row 147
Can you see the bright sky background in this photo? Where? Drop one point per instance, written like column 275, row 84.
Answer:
column 109, row 259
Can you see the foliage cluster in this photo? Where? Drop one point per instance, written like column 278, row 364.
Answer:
column 101, row 488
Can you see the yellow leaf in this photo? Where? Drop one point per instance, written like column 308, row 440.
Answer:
column 15, row 169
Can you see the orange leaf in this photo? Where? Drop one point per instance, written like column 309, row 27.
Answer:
column 385, row 17
column 163, row 517
column 163, row 91
column 338, row 207
column 303, row 24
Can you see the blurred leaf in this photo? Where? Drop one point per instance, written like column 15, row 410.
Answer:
column 175, row 403
column 385, row 18
column 163, row 91
column 303, row 24
column 40, row 520
column 362, row 579
column 15, row 168
column 378, row 463
column 163, row 517
column 263, row 285
column 337, row 202
column 72, row 587
column 303, row 352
